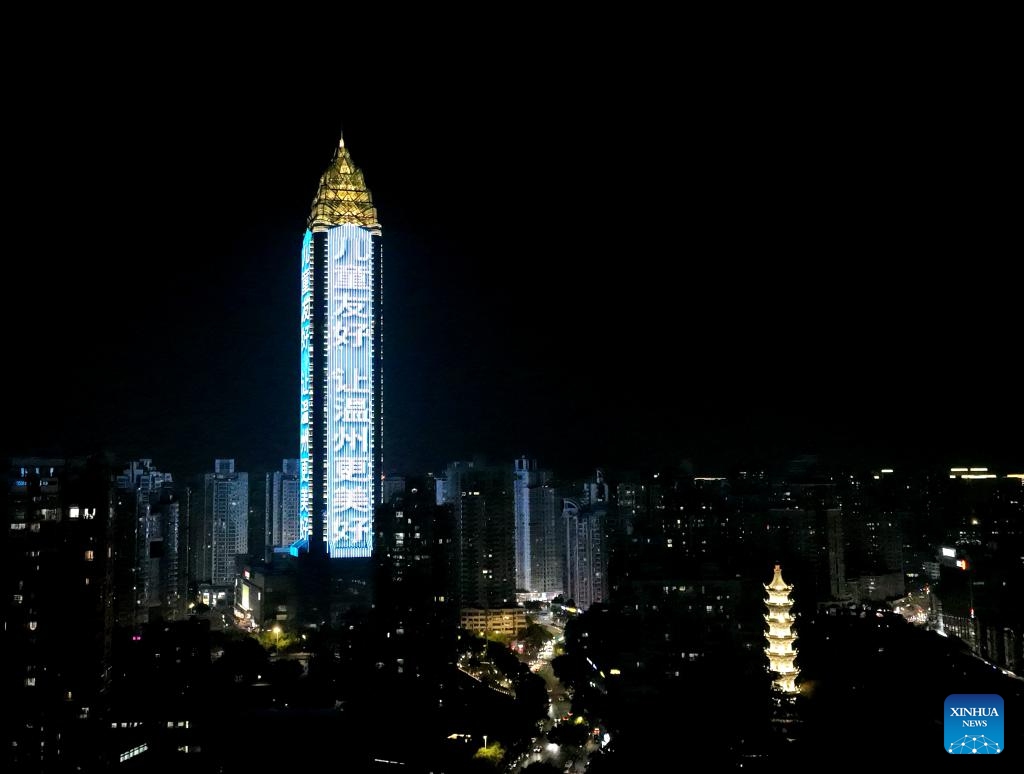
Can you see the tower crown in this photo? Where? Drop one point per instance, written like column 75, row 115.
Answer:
column 342, row 196
column 778, row 585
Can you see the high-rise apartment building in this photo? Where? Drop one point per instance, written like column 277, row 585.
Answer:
column 147, row 541
column 482, row 500
column 57, row 623
column 585, row 521
column 539, row 531
column 282, row 505
column 226, row 520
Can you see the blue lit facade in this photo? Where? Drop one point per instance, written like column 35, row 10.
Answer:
column 340, row 421
column 305, row 392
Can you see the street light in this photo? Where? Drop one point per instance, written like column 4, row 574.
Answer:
column 277, row 635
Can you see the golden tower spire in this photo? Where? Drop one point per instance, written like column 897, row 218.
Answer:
column 342, row 196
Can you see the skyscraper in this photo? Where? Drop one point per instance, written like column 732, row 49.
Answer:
column 586, row 546
column 57, row 619
column 415, row 580
column 481, row 496
column 539, row 532
column 282, row 524
column 226, row 519
column 340, row 418
column 527, row 479
column 148, row 574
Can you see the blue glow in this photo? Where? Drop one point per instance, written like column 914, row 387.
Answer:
column 305, row 365
column 351, row 404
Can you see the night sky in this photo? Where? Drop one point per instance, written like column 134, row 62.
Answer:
column 594, row 264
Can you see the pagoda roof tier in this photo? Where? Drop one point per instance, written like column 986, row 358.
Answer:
column 777, row 584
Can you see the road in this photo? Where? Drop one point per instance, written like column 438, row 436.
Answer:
column 559, row 706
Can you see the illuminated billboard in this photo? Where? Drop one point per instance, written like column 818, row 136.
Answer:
column 349, row 404
column 350, row 401
column 305, row 395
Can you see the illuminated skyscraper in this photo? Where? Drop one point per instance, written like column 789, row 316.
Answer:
column 539, row 531
column 340, row 419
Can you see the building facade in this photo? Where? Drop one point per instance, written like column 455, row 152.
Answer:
column 506, row 622
column 57, row 627
column 414, row 583
column 586, row 553
column 282, row 505
column 226, row 519
column 483, row 508
column 149, row 576
column 539, row 532
column 340, row 418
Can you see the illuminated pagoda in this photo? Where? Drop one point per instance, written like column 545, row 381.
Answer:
column 780, row 651
column 340, row 417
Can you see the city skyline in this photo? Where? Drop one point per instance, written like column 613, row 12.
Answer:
column 684, row 379
column 586, row 289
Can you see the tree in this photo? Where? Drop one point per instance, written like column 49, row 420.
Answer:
column 277, row 638
column 570, row 734
column 493, row 754
column 570, row 670
column 470, row 644
column 532, row 694
column 243, row 660
column 536, row 635
column 504, row 660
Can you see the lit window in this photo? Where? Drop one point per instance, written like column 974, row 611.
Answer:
column 89, row 556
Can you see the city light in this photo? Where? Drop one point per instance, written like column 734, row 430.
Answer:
column 414, row 603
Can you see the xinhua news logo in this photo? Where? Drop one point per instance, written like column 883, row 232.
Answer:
column 973, row 724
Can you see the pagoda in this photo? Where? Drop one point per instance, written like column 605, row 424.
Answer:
column 780, row 651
